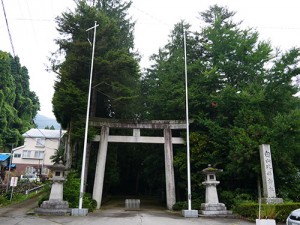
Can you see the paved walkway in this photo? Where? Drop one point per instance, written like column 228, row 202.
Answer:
column 18, row 214
column 113, row 217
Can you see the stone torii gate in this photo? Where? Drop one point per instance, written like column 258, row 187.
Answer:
column 167, row 140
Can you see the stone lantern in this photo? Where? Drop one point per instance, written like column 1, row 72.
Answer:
column 55, row 205
column 212, row 205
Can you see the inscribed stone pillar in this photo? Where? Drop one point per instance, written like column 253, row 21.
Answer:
column 267, row 175
column 169, row 169
column 100, row 166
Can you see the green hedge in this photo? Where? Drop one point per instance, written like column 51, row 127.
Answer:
column 279, row 212
column 196, row 204
column 71, row 193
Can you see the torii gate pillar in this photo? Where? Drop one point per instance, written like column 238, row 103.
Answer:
column 169, row 169
column 100, row 166
column 167, row 140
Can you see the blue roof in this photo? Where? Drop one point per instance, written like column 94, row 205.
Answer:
column 4, row 156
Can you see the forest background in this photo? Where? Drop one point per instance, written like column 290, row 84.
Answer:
column 242, row 93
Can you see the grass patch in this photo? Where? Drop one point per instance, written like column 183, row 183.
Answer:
column 279, row 212
column 19, row 196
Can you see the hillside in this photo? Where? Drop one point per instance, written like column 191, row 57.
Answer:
column 44, row 121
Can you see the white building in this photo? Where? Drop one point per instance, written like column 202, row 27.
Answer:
column 34, row 155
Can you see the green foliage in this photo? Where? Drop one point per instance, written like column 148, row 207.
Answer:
column 18, row 105
column 233, row 198
column 115, row 83
column 3, row 200
column 71, row 193
column 58, row 155
column 71, row 189
column 241, row 95
column 17, row 197
column 115, row 78
column 196, row 204
column 50, row 128
column 279, row 212
column 46, row 193
column 19, row 193
column 247, row 210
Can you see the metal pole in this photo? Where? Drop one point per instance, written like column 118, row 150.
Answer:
column 187, row 127
column 10, row 161
column 11, row 194
column 87, row 121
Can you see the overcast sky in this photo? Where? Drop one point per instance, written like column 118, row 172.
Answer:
column 32, row 28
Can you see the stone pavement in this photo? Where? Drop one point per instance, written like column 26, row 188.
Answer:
column 120, row 217
column 114, row 214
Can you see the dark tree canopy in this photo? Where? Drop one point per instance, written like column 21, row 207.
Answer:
column 241, row 95
column 115, row 77
column 115, row 84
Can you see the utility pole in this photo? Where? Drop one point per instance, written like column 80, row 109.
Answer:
column 187, row 127
column 189, row 212
column 82, row 180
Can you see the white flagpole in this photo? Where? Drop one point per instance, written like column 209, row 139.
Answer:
column 82, row 180
column 187, row 127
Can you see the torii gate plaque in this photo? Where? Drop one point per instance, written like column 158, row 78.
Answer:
column 167, row 140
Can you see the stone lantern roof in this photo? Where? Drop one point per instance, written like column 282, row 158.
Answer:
column 210, row 170
column 58, row 167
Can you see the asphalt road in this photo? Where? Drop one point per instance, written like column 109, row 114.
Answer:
column 20, row 214
column 20, row 209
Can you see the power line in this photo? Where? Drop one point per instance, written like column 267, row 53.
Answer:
column 36, row 19
column 10, row 38
column 32, row 25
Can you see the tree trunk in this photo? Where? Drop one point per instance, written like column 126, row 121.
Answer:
column 68, row 149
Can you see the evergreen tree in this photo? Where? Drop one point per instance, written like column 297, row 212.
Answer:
column 115, row 78
column 18, row 105
column 241, row 95
column 115, row 85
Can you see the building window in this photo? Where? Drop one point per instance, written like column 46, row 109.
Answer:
column 29, row 170
column 38, row 154
column 26, row 154
column 17, row 155
column 40, row 142
column 45, row 171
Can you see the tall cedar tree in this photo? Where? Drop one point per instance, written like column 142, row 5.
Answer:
column 241, row 95
column 115, row 85
column 115, row 78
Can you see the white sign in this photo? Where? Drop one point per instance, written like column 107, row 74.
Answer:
column 14, row 181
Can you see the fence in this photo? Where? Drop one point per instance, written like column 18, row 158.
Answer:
column 34, row 189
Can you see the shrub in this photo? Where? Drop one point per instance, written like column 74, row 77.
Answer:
column 279, row 212
column 71, row 193
column 232, row 198
column 89, row 202
column 180, row 205
column 71, row 189
column 3, row 200
column 196, row 204
column 44, row 197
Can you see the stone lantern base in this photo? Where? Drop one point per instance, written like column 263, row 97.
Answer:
column 54, row 207
column 214, row 209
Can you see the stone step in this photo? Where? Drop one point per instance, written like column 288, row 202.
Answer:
column 132, row 204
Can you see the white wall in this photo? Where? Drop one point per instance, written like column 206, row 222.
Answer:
column 30, row 144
